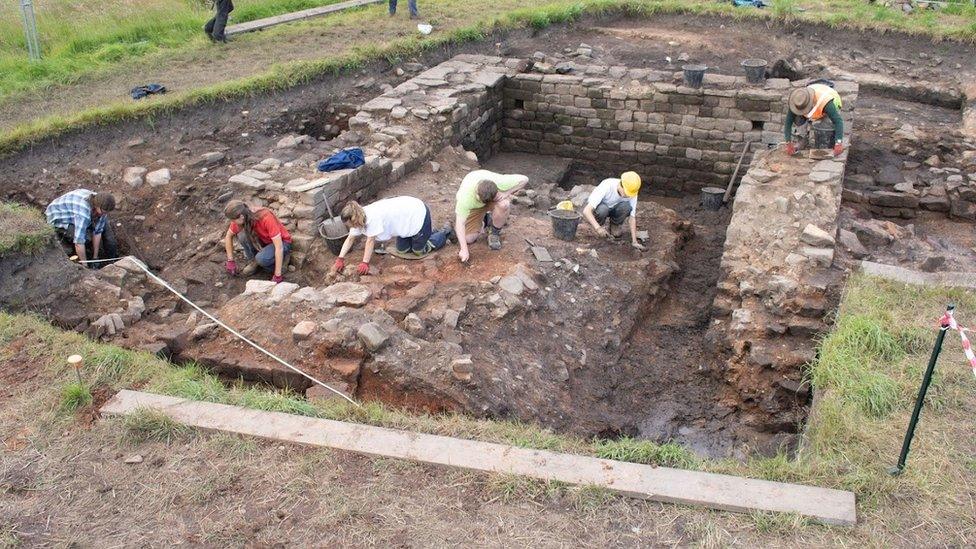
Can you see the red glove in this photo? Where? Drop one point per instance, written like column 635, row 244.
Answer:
column 231, row 267
column 339, row 265
column 791, row 148
column 838, row 149
column 363, row 268
column 277, row 279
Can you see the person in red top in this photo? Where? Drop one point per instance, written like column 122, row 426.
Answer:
column 265, row 240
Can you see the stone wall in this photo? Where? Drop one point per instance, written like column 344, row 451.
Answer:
column 614, row 117
column 774, row 290
column 455, row 103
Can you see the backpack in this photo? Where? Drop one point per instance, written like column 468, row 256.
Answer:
column 343, row 160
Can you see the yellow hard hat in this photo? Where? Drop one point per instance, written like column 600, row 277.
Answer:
column 631, row 182
column 565, row 205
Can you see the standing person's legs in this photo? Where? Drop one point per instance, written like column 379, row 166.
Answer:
column 224, row 7
column 412, row 4
column 393, row 4
column 209, row 27
column 266, row 257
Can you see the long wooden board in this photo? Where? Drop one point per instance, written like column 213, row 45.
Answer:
column 259, row 24
column 641, row 481
column 956, row 279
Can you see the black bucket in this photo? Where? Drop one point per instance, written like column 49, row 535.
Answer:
column 334, row 232
column 823, row 135
column 712, row 197
column 564, row 224
column 755, row 70
column 694, row 75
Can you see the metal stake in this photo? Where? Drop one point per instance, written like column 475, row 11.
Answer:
column 75, row 362
column 926, row 380
column 30, row 30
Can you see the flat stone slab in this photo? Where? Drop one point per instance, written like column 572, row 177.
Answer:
column 665, row 484
column 295, row 16
column 954, row 279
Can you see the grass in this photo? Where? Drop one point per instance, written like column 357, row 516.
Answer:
column 153, row 426
column 79, row 37
column 865, row 380
column 171, row 31
column 74, row 396
column 22, row 229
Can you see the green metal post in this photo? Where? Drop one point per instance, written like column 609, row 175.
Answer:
column 926, row 380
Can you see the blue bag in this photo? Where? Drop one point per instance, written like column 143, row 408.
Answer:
column 343, row 160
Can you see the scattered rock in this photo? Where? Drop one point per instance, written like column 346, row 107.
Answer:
column 817, row 237
column 258, row 287
column 283, row 290
column 851, row 243
column 372, row 336
column 292, row 141
column 823, row 256
column 933, row 263
column 462, row 368
column 158, row 178
column 451, row 318
column 133, row 459
column 349, row 294
column 435, row 167
column 414, row 325
column 511, row 284
column 134, row 176
column 303, row 330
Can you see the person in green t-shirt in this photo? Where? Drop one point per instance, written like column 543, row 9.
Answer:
column 483, row 203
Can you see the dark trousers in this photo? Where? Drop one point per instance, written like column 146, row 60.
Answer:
column 412, row 4
column 264, row 257
column 109, row 247
column 425, row 241
column 215, row 27
column 618, row 214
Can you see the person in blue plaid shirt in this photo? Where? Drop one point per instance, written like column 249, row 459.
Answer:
column 80, row 218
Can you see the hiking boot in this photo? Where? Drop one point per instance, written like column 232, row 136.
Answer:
column 451, row 234
column 249, row 269
column 494, row 238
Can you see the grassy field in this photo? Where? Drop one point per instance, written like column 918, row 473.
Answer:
column 865, row 382
column 79, row 37
column 22, row 229
column 86, row 39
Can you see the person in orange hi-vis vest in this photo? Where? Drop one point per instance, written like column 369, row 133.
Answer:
column 810, row 104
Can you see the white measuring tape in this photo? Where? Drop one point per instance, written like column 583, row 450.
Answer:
column 240, row 336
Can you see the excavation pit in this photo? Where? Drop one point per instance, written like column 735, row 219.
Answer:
column 700, row 340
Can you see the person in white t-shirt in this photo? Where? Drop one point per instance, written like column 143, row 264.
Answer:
column 615, row 200
column 402, row 217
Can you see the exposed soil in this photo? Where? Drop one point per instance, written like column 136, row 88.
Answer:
column 664, row 387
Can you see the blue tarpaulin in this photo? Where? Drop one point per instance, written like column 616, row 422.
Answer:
column 343, row 160
column 749, row 3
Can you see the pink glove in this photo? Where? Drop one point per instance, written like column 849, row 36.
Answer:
column 363, row 268
column 277, row 279
column 231, row 267
column 838, row 149
column 339, row 265
column 791, row 148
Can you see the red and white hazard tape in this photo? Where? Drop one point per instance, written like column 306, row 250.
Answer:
column 950, row 321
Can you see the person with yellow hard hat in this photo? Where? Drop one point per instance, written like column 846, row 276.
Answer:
column 812, row 103
column 616, row 200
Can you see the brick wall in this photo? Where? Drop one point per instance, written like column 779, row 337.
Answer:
column 682, row 138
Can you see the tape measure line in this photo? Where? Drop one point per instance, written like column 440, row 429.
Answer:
column 949, row 320
column 220, row 323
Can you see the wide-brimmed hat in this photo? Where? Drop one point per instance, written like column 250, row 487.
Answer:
column 801, row 101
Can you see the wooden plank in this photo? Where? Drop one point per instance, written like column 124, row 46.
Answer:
column 641, row 481
column 259, row 24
